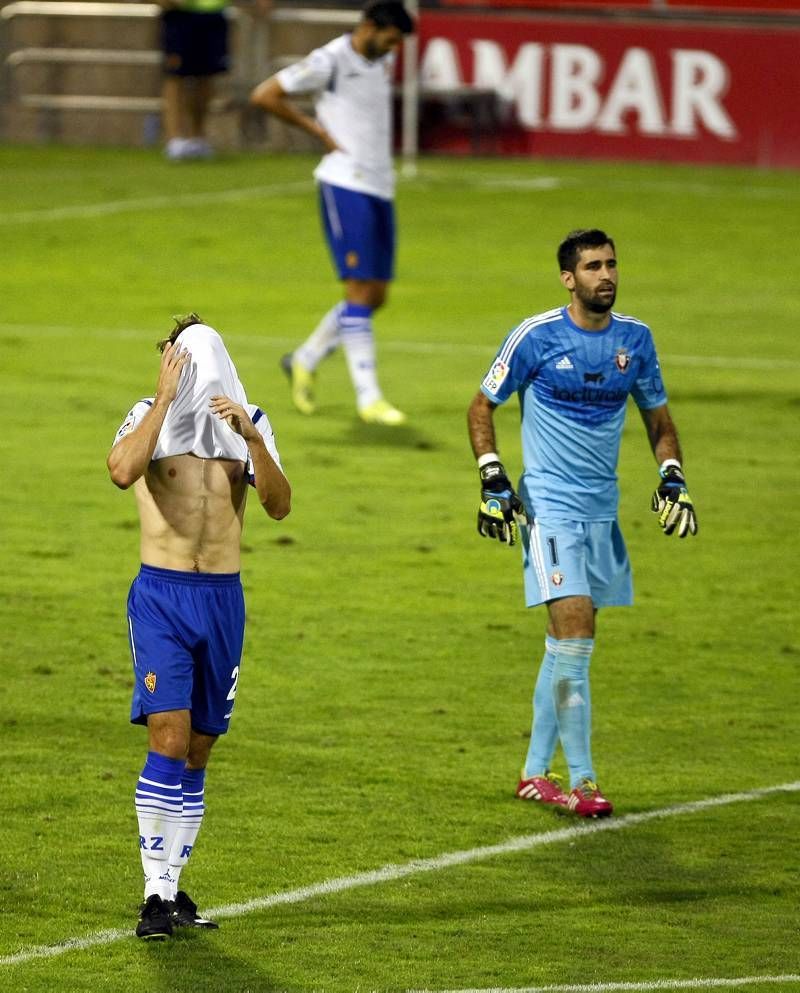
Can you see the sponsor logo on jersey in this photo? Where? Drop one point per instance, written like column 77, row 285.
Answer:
column 590, row 394
column 557, row 578
column 495, row 376
column 622, row 359
column 150, row 682
column 594, row 377
column 564, row 363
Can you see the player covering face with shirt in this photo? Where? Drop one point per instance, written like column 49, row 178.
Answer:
column 191, row 453
column 573, row 369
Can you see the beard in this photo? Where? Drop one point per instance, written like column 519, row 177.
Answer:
column 595, row 302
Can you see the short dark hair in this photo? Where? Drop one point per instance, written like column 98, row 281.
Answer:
column 571, row 247
column 181, row 324
column 388, row 14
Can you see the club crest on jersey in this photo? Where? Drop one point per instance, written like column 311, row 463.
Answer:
column 351, row 260
column 495, row 376
column 557, row 578
column 150, row 682
column 126, row 427
column 622, row 359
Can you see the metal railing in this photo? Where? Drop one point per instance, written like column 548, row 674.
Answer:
column 251, row 64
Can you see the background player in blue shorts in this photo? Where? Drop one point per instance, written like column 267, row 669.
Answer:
column 194, row 42
column 189, row 453
column 351, row 79
column 573, row 369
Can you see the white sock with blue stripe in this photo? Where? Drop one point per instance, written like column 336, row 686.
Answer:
column 359, row 348
column 193, row 784
column 573, row 705
column 159, row 802
column 544, row 733
column 322, row 341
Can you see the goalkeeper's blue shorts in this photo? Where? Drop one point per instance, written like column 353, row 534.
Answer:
column 360, row 232
column 186, row 631
column 576, row 558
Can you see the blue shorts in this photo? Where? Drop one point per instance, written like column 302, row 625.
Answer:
column 360, row 232
column 194, row 44
column 576, row 558
column 186, row 631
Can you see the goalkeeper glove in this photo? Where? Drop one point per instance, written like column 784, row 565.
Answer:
column 500, row 505
column 672, row 503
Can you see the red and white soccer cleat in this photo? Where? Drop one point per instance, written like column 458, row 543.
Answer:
column 586, row 800
column 546, row 789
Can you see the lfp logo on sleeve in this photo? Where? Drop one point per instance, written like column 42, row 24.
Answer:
column 495, row 376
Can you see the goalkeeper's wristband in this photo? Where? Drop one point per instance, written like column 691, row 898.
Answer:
column 492, row 473
column 486, row 458
column 668, row 464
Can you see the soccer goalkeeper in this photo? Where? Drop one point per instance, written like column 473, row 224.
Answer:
column 573, row 368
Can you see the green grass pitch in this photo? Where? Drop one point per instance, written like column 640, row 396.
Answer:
column 384, row 703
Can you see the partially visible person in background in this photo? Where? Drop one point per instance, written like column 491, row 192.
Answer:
column 194, row 42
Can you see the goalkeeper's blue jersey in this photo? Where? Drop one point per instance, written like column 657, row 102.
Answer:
column 573, row 386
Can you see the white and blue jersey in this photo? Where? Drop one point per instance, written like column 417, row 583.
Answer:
column 573, row 386
column 257, row 415
column 353, row 102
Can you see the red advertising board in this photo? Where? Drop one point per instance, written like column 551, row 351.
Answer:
column 513, row 85
column 757, row 7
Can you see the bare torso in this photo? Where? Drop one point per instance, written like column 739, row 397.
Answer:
column 191, row 512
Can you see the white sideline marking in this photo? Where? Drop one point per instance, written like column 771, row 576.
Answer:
column 491, row 181
column 407, row 347
column 478, row 181
column 390, row 873
column 656, row 984
column 154, row 203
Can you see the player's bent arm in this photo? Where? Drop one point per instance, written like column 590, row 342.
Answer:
column 480, row 422
column 662, row 434
column 131, row 455
column 272, row 486
column 272, row 97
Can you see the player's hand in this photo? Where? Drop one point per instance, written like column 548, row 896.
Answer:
column 235, row 416
column 500, row 505
column 672, row 503
column 172, row 362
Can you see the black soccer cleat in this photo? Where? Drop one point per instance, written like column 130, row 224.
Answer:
column 154, row 920
column 183, row 913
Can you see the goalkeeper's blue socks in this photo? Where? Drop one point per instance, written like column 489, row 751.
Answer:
column 359, row 348
column 573, row 705
column 544, row 734
column 159, row 805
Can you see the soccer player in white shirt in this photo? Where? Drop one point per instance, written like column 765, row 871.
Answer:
column 189, row 453
column 351, row 79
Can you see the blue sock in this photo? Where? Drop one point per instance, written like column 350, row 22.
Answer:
column 544, row 733
column 159, row 802
column 573, row 705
